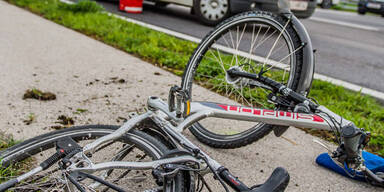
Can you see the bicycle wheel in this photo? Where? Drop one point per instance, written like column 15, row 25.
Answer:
column 247, row 42
column 134, row 146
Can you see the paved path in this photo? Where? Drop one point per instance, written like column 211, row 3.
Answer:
column 36, row 53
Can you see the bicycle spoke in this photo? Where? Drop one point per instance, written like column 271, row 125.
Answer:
column 217, row 60
column 290, row 54
column 253, row 39
column 274, row 44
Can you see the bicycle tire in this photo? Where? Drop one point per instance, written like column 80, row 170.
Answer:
column 34, row 146
column 211, row 42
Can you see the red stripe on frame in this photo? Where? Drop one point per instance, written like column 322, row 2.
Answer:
column 247, row 110
column 225, row 107
column 317, row 118
column 257, row 112
column 233, row 108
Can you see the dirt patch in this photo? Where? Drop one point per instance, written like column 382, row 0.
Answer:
column 115, row 80
column 324, row 134
column 66, row 121
column 39, row 95
column 121, row 119
column 30, row 119
column 57, row 127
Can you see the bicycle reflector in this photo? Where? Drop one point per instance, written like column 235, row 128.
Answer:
column 188, row 107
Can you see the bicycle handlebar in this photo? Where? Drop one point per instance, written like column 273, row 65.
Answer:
column 276, row 86
column 8, row 184
column 276, row 182
column 377, row 180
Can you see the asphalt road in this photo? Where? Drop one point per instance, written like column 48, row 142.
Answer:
column 349, row 47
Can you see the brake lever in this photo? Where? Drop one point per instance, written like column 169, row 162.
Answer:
column 370, row 175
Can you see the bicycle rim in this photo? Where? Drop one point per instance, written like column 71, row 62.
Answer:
column 134, row 146
column 248, row 42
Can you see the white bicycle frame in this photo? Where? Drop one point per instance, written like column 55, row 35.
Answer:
column 158, row 112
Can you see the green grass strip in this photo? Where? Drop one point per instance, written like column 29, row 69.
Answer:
column 6, row 141
column 172, row 54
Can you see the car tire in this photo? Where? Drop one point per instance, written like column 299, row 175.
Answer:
column 161, row 4
column 361, row 12
column 326, row 4
column 211, row 12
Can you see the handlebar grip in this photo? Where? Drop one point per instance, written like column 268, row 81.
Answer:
column 8, row 184
column 277, row 182
column 267, row 81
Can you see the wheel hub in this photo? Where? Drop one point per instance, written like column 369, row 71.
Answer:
column 237, row 82
column 214, row 9
column 229, row 78
column 214, row 4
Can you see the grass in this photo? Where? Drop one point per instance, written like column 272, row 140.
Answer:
column 342, row 7
column 353, row 8
column 172, row 54
column 348, row 7
column 7, row 141
column 30, row 119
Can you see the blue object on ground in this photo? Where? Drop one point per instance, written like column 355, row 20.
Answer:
column 372, row 162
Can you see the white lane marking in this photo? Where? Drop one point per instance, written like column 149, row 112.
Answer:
column 330, row 11
column 350, row 86
column 67, row 1
column 346, row 24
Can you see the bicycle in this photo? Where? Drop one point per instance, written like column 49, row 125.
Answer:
column 151, row 145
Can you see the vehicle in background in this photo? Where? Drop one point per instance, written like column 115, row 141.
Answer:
column 373, row 6
column 301, row 8
column 326, row 4
column 212, row 12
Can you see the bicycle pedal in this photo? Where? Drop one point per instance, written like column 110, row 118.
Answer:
column 279, row 130
column 67, row 144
